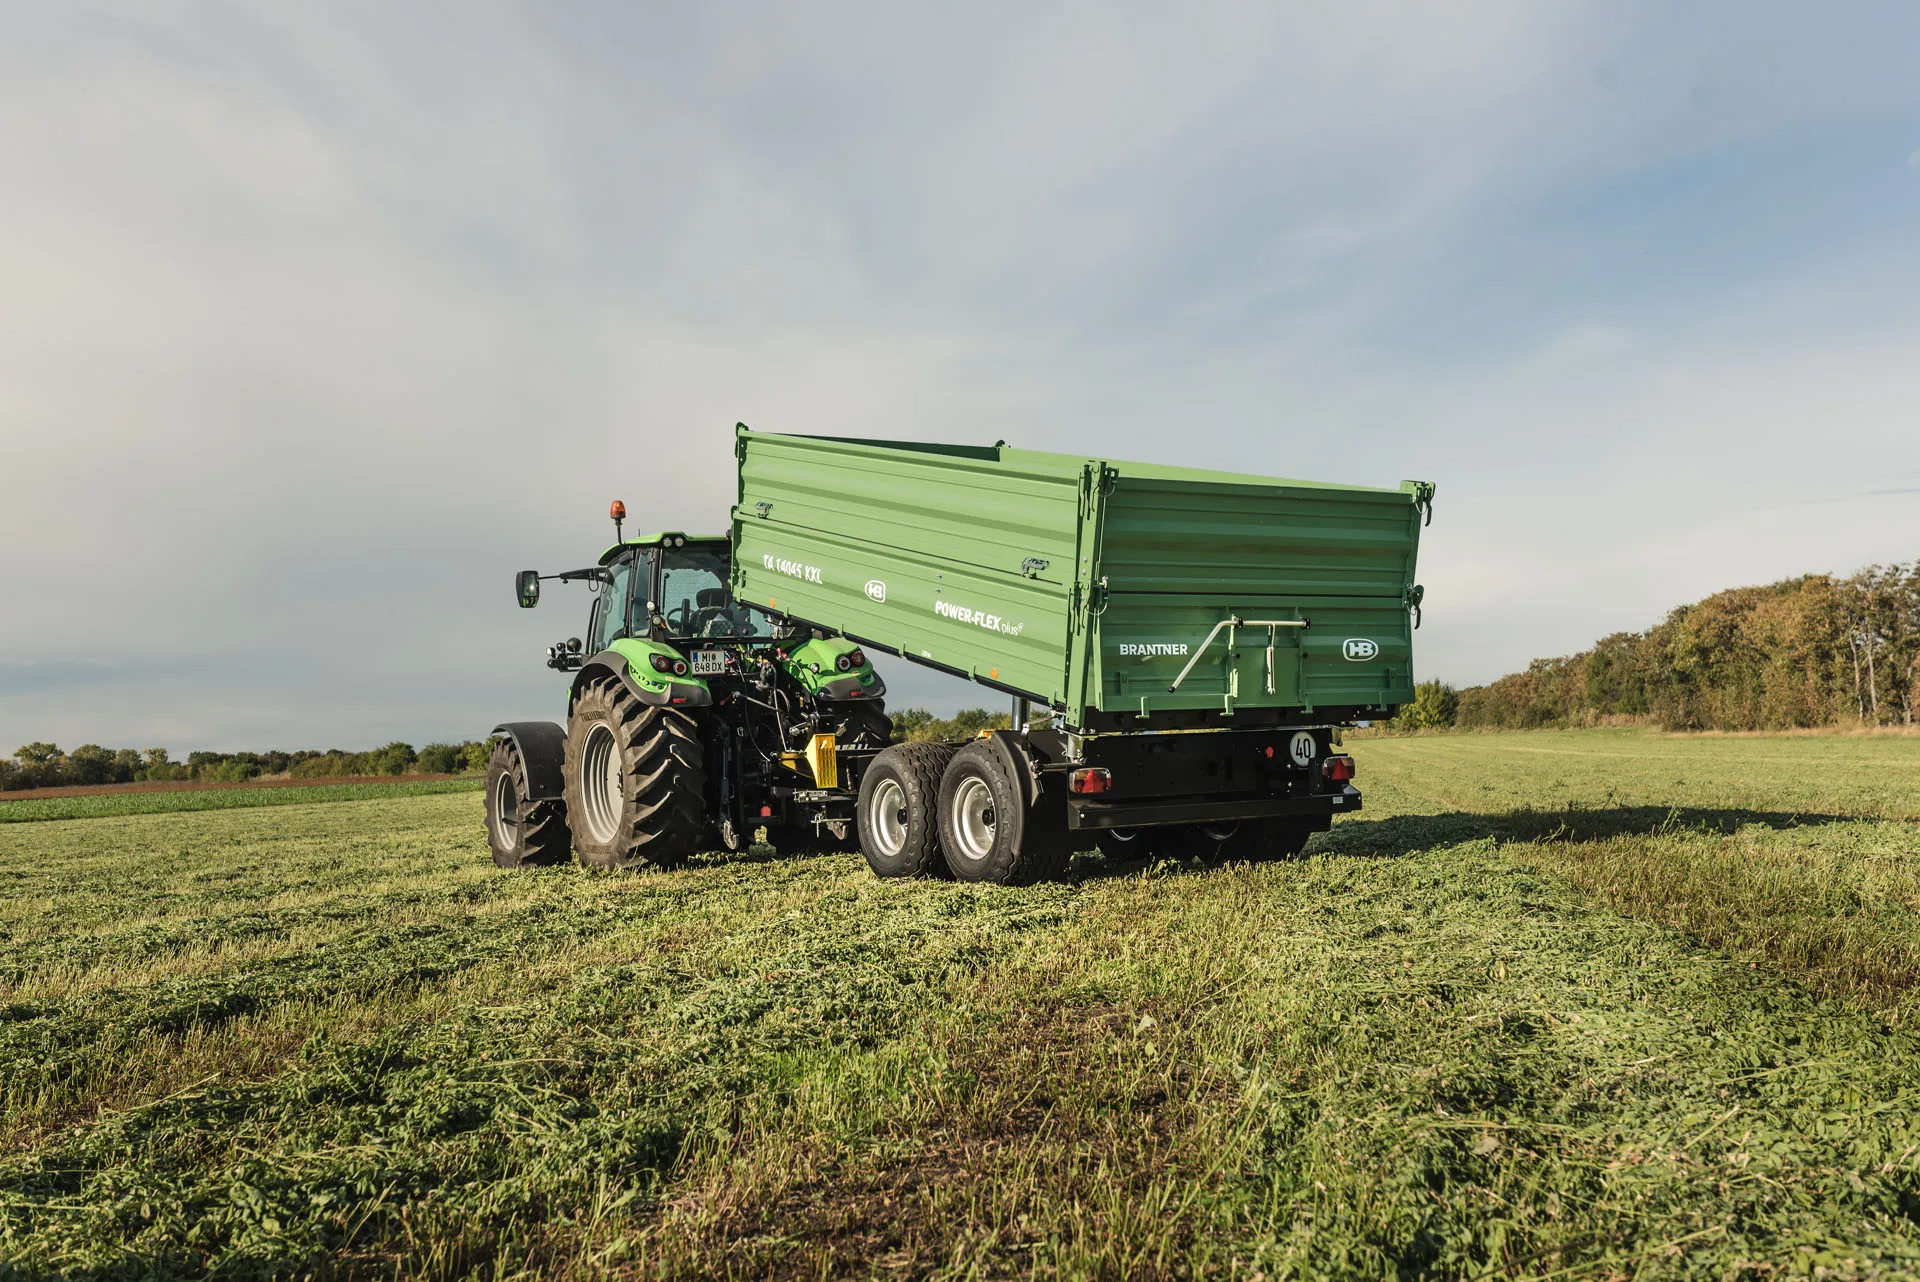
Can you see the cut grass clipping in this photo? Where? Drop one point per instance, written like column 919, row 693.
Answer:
column 1530, row 1033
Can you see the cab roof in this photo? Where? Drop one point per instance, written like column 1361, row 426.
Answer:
column 658, row 540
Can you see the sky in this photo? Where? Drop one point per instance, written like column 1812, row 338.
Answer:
column 318, row 321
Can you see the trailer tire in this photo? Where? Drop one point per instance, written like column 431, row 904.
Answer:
column 898, row 810
column 989, row 826
column 1250, row 840
column 1126, row 844
column 520, row 835
column 635, row 780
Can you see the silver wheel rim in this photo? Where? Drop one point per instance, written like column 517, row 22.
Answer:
column 506, row 811
column 887, row 818
column 973, row 818
column 600, row 793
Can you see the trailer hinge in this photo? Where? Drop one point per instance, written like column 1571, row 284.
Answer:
column 1097, row 597
column 1411, row 599
column 1423, row 499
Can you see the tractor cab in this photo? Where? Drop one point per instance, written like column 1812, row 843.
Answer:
column 672, row 588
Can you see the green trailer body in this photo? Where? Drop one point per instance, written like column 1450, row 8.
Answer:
column 1121, row 595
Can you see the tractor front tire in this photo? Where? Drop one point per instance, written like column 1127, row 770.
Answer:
column 521, row 834
column 635, row 780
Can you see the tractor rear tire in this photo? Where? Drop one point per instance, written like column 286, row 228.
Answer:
column 989, row 828
column 635, row 779
column 898, row 810
column 518, row 834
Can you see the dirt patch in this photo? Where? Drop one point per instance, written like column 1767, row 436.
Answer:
column 1063, row 1126
column 183, row 785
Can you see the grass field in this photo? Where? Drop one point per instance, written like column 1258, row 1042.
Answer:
column 30, row 809
column 1594, row 1004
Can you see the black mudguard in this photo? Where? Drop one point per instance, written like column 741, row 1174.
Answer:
column 614, row 664
column 543, row 747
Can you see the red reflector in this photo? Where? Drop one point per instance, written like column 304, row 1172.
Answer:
column 1337, row 769
column 766, row 812
column 855, row 694
column 1269, row 750
column 1090, row 781
column 679, row 700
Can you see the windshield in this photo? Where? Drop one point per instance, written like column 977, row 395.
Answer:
column 694, row 596
column 610, row 610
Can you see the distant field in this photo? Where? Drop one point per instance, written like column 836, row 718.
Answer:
column 76, row 804
column 1593, row 1004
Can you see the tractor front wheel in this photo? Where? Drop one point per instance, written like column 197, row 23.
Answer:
column 519, row 833
column 635, row 780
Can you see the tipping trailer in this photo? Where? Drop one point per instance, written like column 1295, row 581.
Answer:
column 1194, row 640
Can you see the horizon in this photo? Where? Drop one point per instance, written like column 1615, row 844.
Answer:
column 325, row 322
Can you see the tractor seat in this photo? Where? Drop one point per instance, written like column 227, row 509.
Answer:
column 712, row 599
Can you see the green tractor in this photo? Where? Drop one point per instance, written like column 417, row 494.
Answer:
column 693, row 721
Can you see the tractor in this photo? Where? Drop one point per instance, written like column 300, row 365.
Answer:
column 693, row 721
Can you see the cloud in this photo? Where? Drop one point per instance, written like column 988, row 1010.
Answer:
column 322, row 320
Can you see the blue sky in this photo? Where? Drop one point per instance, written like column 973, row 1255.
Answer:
column 320, row 321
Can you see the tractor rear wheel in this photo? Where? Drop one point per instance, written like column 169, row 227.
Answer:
column 899, row 798
column 635, row 779
column 520, row 834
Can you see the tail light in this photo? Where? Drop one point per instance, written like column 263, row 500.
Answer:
column 844, row 662
column 858, row 658
column 1337, row 769
column 661, row 663
column 679, row 667
column 1090, row 781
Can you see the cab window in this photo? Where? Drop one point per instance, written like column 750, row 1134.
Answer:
column 694, row 596
column 610, row 611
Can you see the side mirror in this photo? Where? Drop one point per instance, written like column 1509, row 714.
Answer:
column 526, row 586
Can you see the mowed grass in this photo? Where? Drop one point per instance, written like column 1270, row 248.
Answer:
column 1647, row 1016
column 96, row 805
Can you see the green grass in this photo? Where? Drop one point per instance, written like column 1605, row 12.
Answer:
column 97, row 805
column 1626, row 1014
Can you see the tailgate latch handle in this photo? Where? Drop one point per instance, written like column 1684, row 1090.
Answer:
column 1414, row 595
column 1032, row 566
column 1233, row 621
column 763, row 509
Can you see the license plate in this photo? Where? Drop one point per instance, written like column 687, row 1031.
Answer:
column 709, row 663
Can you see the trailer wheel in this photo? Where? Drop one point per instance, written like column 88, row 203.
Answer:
column 987, row 827
column 898, row 810
column 1124, row 844
column 1249, row 840
column 518, row 835
column 635, row 780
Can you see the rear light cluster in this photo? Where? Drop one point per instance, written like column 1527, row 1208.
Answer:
column 661, row 663
column 850, row 660
column 1090, row 781
column 1337, row 769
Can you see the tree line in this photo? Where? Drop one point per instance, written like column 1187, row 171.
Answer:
column 44, row 765
column 1806, row 652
